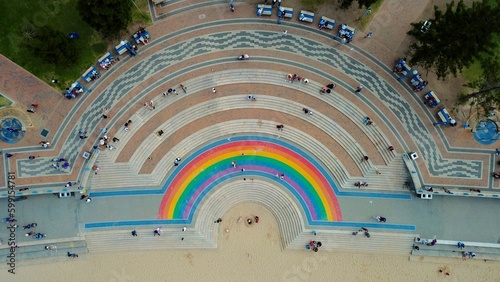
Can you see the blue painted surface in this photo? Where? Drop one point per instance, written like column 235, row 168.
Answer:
column 343, row 224
column 486, row 133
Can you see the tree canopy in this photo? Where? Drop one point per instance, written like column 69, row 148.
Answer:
column 456, row 37
column 106, row 16
column 53, row 46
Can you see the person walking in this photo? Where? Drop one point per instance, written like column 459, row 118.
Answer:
column 359, row 88
column 460, row 245
column 157, row 232
column 134, row 233
column 285, row 32
column 369, row 35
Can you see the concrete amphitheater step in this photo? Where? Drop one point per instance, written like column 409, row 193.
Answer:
column 291, row 134
column 204, row 232
column 153, row 141
column 227, row 78
column 277, row 200
column 203, row 84
column 164, row 167
column 35, row 253
column 56, row 257
column 240, row 76
column 184, row 115
column 336, row 240
column 342, row 104
column 453, row 254
column 122, row 240
column 235, row 102
column 397, row 243
column 296, row 137
column 478, row 248
column 336, row 101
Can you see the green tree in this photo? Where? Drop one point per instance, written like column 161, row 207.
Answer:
column 456, row 38
column 345, row 4
column 53, row 46
column 106, row 16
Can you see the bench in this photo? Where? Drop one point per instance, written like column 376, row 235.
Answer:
column 121, row 48
column 417, row 80
column 74, row 90
column 264, row 10
column 402, row 69
column 105, row 56
column 144, row 34
column 431, row 99
column 306, row 16
column 285, row 12
column 443, row 115
column 346, row 33
column 329, row 23
column 90, row 74
column 406, row 69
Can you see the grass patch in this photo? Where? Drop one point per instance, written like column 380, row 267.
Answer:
column 19, row 16
column 4, row 101
column 141, row 16
column 367, row 19
column 61, row 15
column 474, row 72
column 312, row 4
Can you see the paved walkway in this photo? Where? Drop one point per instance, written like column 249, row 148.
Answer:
column 200, row 51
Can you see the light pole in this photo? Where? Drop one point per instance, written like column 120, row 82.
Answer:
column 366, row 12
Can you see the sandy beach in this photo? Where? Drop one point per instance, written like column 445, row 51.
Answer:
column 253, row 253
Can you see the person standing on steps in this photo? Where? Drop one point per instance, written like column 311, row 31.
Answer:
column 358, row 90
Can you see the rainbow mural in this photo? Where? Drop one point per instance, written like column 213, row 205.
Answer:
column 260, row 156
